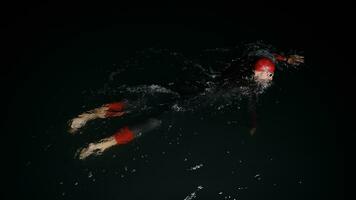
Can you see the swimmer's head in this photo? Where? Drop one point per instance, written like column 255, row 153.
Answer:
column 263, row 71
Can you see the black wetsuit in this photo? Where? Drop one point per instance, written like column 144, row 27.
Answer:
column 219, row 71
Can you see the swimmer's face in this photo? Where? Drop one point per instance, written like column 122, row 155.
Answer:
column 263, row 78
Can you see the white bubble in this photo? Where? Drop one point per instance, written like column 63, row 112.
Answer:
column 196, row 167
column 193, row 195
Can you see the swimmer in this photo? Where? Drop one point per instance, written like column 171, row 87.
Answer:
column 255, row 73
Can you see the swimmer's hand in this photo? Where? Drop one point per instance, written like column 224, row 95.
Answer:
column 295, row 59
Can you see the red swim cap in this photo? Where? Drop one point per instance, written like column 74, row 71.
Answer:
column 263, row 64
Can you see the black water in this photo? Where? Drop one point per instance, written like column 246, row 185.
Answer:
column 296, row 153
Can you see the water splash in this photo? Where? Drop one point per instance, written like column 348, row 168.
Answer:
column 195, row 167
column 193, row 195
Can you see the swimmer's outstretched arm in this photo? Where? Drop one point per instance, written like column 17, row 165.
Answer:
column 122, row 136
column 291, row 59
column 115, row 109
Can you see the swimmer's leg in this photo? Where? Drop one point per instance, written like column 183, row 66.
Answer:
column 115, row 109
column 121, row 137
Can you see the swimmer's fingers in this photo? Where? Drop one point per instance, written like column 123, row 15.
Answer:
column 299, row 59
column 295, row 59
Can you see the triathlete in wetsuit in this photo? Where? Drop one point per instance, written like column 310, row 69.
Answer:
column 250, row 75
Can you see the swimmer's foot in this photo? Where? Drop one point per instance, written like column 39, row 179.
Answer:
column 96, row 149
column 105, row 111
column 123, row 136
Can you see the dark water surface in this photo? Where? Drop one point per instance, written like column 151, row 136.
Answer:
column 295, row 154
